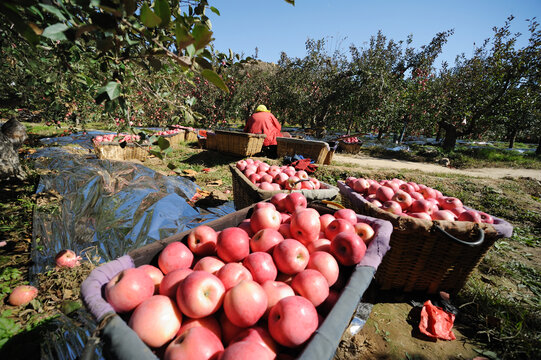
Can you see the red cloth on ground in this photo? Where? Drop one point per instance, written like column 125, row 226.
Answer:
column 264, row 123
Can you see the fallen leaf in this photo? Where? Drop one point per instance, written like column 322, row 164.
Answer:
column 189, row 172
column 215, row 183
column 207, row 170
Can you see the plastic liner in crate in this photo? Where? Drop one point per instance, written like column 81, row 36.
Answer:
column 245, row 193
column 428, row 256
column 122, row 343
column 319, row 151
column 239, row 143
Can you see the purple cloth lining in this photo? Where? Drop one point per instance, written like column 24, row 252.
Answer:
column 379, row 245
column 91, row 288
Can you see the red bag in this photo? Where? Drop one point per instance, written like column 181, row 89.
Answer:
column 436, row 323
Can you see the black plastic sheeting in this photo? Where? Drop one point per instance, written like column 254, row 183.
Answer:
column 106, row 208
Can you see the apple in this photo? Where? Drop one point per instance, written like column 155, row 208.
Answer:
column 22, row 295
column 312, row 285
column 420, row 206
column 174, row 256
column 229, row 330
column 325, row 220
column 285, row 231
column 169, row 283
column 246, row 226
column 469, row 215
column 200, row 294
column 316, row 182
column 308, row 185
column 234, row 243
column 241, row 165
column 265, row 218
column 293, row 183
column 428, row 192
column 245, row 303
column 346, row 214
column 156, row 320
column 391, row 184
column 375, row 202
column 320, row 244
column 128, row 288
column 196, row 343
column 209, row 322
column 67, row 258
column 360, row 185
column 407, row 188
column 155, row 274
column 449, row 203
column 261, row 266
column 421, row 215
column 403, row 199
column 294, row 201
column 254, row 178
column 266, row 239
column 210, row 264
column 443, row 215
column 373, row 188
column 384, row 193
column 285, row 218
column 263, row 167
column 365, row 232
column 392, row 206
column 278, row 200
column 202, row 240
column 348, row 248
column 246, row 350
column 276, row 290
column 233, row 273
column 305, row 225
column 337, row 226
column 486, row 218
column 267, row 186
column 292, row 321
column 326, row 264
column 258, row 335
column 290, row 256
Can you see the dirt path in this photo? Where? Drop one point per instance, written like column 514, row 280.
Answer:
column 374, row 163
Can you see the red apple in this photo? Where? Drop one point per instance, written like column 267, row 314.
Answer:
column 174, row 256
column 320, row 244
column 265, row 218
column 254, row 178
column 290, row 256
column 317, row 184
column 246, row 226
column 420, row 206
column 407, row 188
column 267, row 186
column 403, row 198
column 285, row 231
column 469, row 215
column 486, row 218
column 278, row 199
column 443, row 215
column 449, row 203
column 346, row 214
column 265, row 240
column 305, row 225
column 337, row 226
column 348, row 248
column 294, row 201
column 325, row 220
column 245, row 303
column 326, row 264
column 428, row 192
column 200, row 294
column 209, row 322
column 392, row 206
column 293, row 183
column 416, row 196
column 261, row 266
column 128, row 288
column 196, row 343
column 312, row 285
column 22, row 295
column 365, row 232
column 360, row 185
column 384, row 193
column 210, row 264
column 276, row 291
column 233, row 243
column 155, row 274
column 233, row 273
column 285, row 218
column 245, row 350
column 169, row 283
column 156, row 320
column 241, row 165
column 373, row 188
column 67, row 258
column 202, row 240
column 258, row 335
column 421, row 215
column 375, row 202
column 292, row 321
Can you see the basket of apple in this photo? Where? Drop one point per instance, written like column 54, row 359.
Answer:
column 280, row 278
column 119, row 147
column 255, row 180
column 437, row 241
column 174, row 136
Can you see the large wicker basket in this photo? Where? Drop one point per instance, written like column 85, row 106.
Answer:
column 426, row 255
column 245, row 193
column 315, row 150
column 212, row 141
column 113, row 151
column 350, row 148
column 239, row 143
column 190, row 135
column 175, row 140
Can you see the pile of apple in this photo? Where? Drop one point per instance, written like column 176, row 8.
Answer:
column 116, row 138
column 274, row 177
column 246, row 292
column 416, row 200
column 351, row 140
column 171, row 132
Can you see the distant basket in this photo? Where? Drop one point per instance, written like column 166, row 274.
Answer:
column 239, row 143
column 245, row 193
column 175, row 140
column 315, row 150
column 190, row 135
column 113, row 151
column 425, row 255
column 350, row 148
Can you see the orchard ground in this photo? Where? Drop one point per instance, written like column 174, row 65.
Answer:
column 499, row 310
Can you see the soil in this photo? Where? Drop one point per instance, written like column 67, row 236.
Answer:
column 375, row 163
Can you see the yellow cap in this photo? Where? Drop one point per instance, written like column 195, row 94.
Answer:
column 261, row 108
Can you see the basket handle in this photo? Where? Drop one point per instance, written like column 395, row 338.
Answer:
column 479, row 241
column 329, row 202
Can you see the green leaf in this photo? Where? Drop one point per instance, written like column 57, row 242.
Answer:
column 163, row 143
column 148, row 17
column 202, row 36
column 214, row 10
column 55, row 32
column 161, row 7
column 112, row 89
column 184, row 38
column 156, row 153
column 53, row 10
column 292, row 2
column 190, row 49
column 215, row 79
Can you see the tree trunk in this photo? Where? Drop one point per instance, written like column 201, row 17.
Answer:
column 512, row 138
column 438, row 134
column 538, row 151
column 403, row 132
column 449, row 141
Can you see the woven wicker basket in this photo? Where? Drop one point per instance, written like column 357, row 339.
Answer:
column 428, row 256
column 175, row 140
column 113, row 151
column 190, row 136
column 245, row 193
column 239, row 143
column 315, row 150
column 212, row 141
column 349, row 148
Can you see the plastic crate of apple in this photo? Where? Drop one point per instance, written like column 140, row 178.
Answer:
column 252, row 290
column 274, row 177
column 416, row 200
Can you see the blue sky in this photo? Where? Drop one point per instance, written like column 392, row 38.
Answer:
column 274, row 26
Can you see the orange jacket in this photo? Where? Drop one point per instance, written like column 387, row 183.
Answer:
column 264, row 123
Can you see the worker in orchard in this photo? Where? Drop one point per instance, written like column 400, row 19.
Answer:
column 263, row 122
